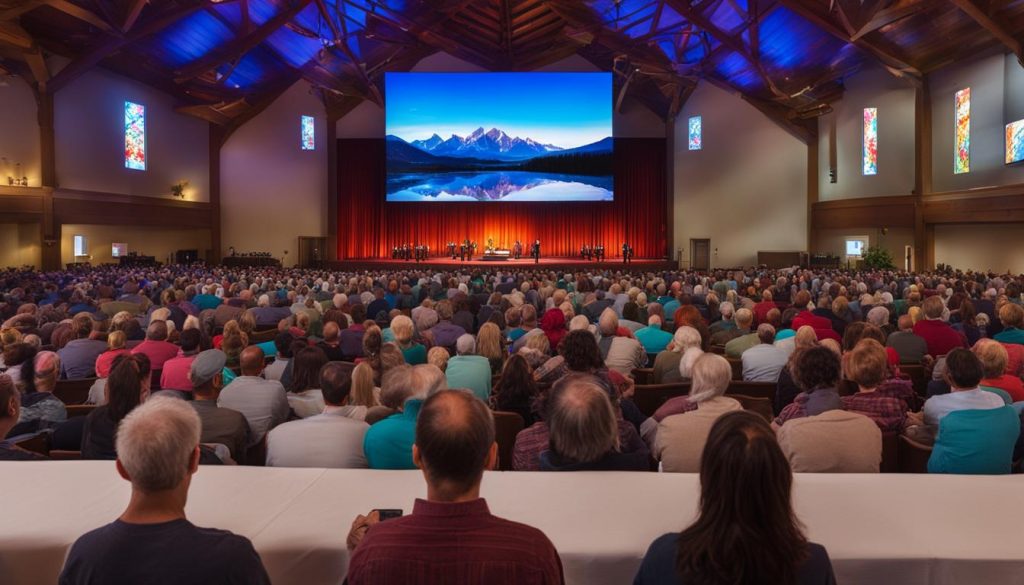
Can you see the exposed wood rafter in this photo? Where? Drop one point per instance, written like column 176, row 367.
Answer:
column 987, row 22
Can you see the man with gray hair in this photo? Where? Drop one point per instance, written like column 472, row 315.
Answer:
column 910, row 346
column 622, row 354
column 268, row 316
column 764, row 361
column 726, row 323
column 388, row 443
column 739, row 338
column 152, row 541
column 467, row 370
column 583, row 430
column 653, row 337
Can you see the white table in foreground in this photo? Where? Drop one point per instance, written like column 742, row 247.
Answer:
column 878, row 529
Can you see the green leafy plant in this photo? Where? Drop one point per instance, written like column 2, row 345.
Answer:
column 178, row 189
column 878, row 258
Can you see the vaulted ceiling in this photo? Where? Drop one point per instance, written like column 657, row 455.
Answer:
column 226, row 60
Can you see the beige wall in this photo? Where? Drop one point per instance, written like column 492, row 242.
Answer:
column 895, row 240
column 872, row 88
column 89, row 123
column 19, row 132
column 989, row 82
column 981, row 247
column 19, row 244
column 746, row 189
column 146, row 241
column 272, row 191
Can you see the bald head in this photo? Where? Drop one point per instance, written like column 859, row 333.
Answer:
column 331, row 332
column 251, row 361
column 454, row 442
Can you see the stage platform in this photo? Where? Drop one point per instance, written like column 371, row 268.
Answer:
column 642, row 264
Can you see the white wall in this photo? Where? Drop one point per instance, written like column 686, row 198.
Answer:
column 272, row 191
column 144, row 240
column 989, row 81
column 89, row 123
column 746, row 189
column 980, row 247
column 871, row 88
column 19, row 132
column 634, row 121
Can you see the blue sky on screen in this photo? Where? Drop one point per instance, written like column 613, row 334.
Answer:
column 563, row 109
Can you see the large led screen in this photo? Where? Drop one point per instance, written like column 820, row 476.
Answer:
column 499, row 136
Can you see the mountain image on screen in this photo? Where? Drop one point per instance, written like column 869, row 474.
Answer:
column 570, row 158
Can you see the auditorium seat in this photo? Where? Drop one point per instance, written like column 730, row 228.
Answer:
column 643, row 375
column 649, row 397
column 58, row 455
column 506, row 426
column 73, row 391
column 737, row 367
column 756, row 389
column 262, row 336
column 890, row 452
column 757, row 405
column 154, row 380
column 38, row 443
column 919, row 376
column 912, row 456
column 75, row 410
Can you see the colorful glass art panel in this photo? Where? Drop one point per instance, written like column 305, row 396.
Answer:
column 962, row 140
column 1015, row 142
column 870, row 141
column 134, row 136
column 308, row 138
column 695, row 133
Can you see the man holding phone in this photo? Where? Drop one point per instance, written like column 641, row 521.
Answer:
column 452, row 528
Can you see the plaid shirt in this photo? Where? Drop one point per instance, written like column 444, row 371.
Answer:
column 887, row 405
column 795, row 409
column 675, row 405
column 533, row 441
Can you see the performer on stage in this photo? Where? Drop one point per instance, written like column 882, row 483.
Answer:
column 627, row 252
column 584, row 252
column 535, row 251
column 599, row 252
column 517, row 250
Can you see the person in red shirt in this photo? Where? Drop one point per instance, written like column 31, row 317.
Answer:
column 761, row 309
column 451, row 537
column 175, row 371
column 115, row 347
column 156, row 347
column 994, row 358
column 939, row 335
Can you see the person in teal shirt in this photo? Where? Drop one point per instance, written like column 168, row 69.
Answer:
column 388, row 443
column 652, row 337
column 976, row 442
column 401, row 333
column 1012, row 318
column 470, row 371
column 207, row 300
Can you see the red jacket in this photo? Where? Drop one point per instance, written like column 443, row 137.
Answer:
column 809, row 318
column 940, row 337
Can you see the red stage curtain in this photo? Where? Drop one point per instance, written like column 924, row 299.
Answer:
column 368, row 227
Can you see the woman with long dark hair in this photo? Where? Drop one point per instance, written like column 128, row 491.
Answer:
column 125, row 390
column 747, row 532
column 516, row 390
column 304, row 395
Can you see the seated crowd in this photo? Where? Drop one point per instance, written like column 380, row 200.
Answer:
column 402, row 370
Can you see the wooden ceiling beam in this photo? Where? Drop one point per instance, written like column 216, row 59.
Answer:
column 970, row 8
column 37, row 64
column 888, row 16
column 12, row 34
column 134, row 10
column 84, row 15
column 240, row 46
column 89, row 60
column 895, row 65
column 22, row 8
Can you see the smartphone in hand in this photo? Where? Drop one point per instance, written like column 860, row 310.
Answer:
column 388, row 513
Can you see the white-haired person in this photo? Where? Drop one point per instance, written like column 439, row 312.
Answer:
column 468, row 370
column 764, row 361
column 653, row 337
column 152, row 541
column 414, row 353
column 666, row 365
column 621, row 354
column 727, row 311
column 681, row 437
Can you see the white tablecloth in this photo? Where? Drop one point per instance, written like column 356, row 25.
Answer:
column 878, row 529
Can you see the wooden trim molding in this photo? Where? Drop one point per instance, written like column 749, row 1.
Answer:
column 92, row 207
column 868, row 212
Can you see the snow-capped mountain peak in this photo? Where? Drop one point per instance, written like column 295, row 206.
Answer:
column 491, row 143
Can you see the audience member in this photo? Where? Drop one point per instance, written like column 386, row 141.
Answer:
column 174, row 375
column 653, row 338
column 468, row 370
column 516, row 391
column 282, row 359
column 454, row 444
column 880, row 397
column 304, row 398
column 152, row 541
column 936, row 332
column 414, row 353
column 621, row 354
column 910, row 346
column 388, row 443
column 738, row 538
column 40, row 409
column 262, row 402
column 78, row 357
column 332, row 438
column 744, row 338
column 764, row 362
column 10, row 411
column 666, row 365
column 220, row 426
column 127, row 387
column 680, row 439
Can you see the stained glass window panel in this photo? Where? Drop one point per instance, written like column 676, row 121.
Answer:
column 962, row 146
column 695, row 133
column 134, row 136
column 870, row 141
column 308, row 138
